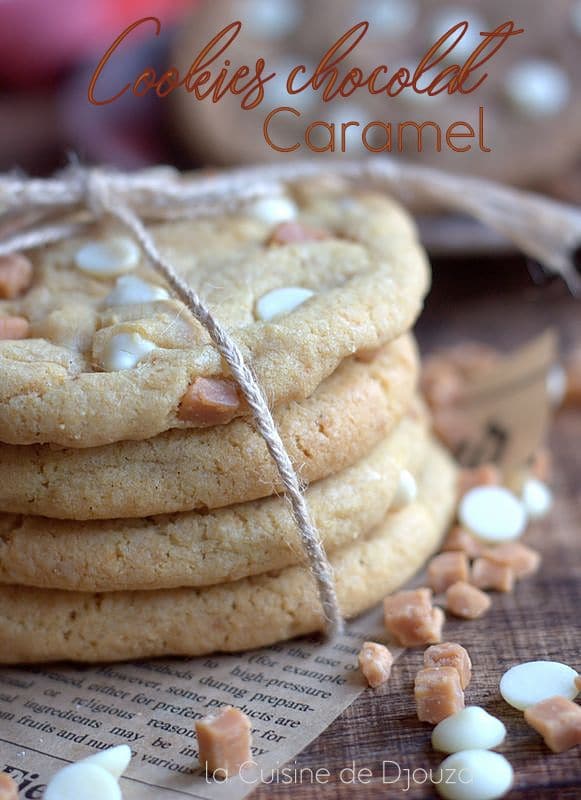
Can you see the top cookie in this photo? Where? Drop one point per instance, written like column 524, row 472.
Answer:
column 300, row 281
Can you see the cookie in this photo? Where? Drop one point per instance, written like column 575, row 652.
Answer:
column 193, row 549
column 108, row 357
column 183, row 470
column 46, row 625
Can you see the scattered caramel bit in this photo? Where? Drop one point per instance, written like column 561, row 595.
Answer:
column 542, row 465
column 450, row 654
column 461, row 539
column 375, row 663
column 484, row 475
column 447, row 568
column 464, row 600
column 209, row 401
column 14, row 328
column 438, row 693
column 297, row 232
column 411, row 618
column 522, row 560
column 224, row 741
column 578, row 682
column 8, row 788
column 487, row 574
column 558, row 720
column 15, row 275
column 573, row 395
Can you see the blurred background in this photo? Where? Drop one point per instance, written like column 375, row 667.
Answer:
column 49, row 51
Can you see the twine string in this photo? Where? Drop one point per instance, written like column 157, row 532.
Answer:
column 100, row 200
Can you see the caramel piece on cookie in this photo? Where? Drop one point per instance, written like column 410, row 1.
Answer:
column 558, row 720
column 542, row 465
column 8, row 788
column 411, row 618
column 522, row 560
column 224, row 741
column 450, row 654
column 15, row 275
column 487, row 574
column 209, row 401
column 484, row 475
column 461, row 539
column 446, row 569
column 375, row 663
column 14, row 328
column 438, row 693
column 578, row 682
column 464, row 600
column 297, row 232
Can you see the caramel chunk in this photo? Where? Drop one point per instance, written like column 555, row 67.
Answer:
column 209, row 401
column 438, row 693
column 461, row 539
column 484, row 475
column 573, row 395
column 8, row 788
column 558, row 720
column 447, row 568
column 297, row 232
column 578, row 682
column 522, row 560
column 450, row 654
column 375, row 662
column 542, row 465
column 15, row 275
column 487, row 574
column 464, row 600
column 411, row 619
column 14, row 328
column 224, row 741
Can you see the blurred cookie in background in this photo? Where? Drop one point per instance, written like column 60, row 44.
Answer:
column 531, row 97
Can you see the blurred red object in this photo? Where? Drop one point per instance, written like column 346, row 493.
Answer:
column 40, row 38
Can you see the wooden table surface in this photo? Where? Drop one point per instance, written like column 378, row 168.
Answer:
column 493, row 301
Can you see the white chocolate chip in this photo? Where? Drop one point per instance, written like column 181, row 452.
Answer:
column 107, row 258
column 556, row 385
column 130, row 289
column 492, row 513
column 472, row 728
column 273, row 210
column 391, row 18
column 537, row 498
column 474, row 775
column 448, row 18
column 407, row 490
column 82, row 780
column 125, row 350
column 538, row 88
column 114, row 760
column 281, row 301
column 529, row 683
column 269, row 20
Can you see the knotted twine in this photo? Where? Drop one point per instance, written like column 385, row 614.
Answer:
column 545, row 230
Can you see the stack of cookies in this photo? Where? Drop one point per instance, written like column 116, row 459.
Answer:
column 141, row 512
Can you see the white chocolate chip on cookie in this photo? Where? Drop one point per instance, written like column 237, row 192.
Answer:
column 281, row 301
column 538, row 88
column 537, row 498
column 125, row 351
column 492, row 513
column 273, row 210
column 105, row 259
column 129, row 290
column 407, row 490
column 88, row 781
